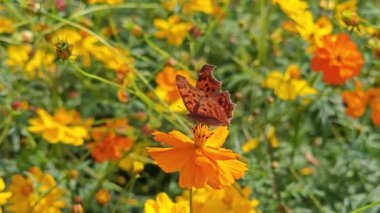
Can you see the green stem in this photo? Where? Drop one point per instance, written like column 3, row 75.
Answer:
column 362, row 209
column 7, row 126
column 111, row 7
column 113, row 49
column 163, row 53
column 263, row 44
column 191, row 200
column 95, row 77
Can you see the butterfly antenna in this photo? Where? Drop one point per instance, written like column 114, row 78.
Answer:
column 180, row 107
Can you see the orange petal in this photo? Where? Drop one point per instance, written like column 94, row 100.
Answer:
column 235, row 167
column 219, row 154
column 214, row 180
column 181, row 136
column 171, row 139
column 192, row 175
column 170, row 159
column 218, row 137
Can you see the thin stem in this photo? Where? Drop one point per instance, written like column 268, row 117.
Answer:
column 362, row 209
column 113, row 49
column 95, row 77
column 6, row 127
column 263, row 44
column 163, row 53
column 111, row 7
column 311, row 195
column 275, row 182
column 135, row 90
column 191, row 200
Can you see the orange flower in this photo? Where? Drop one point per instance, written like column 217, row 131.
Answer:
column 200, row 161
column 103, row 197
column 338, row 59
column 374, row 96
column 108, row 144
column 166, row 83
column 356, row 101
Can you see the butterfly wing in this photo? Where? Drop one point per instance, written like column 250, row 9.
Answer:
column 206, row 81
column 224, row 101
column 205, row 102
column 209, row 111
column 190, row 94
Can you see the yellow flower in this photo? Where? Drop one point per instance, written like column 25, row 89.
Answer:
column 6, row 25
column 172, row 29
column 33, row 63
column 4, row 196
column 39, row 63
column 205, row 6
column 131, row 164
column 292, row 7
column 288, row 86
column 233, row 199
column 18, row 55
column 121, row 61
column 36, row 193
column 86, row 46
column 307, row 170
column 327, row 4
column 251, row 144
column 167, row 87
column 272, row 138
column 66, row 126
column 171, row 4
column 110, row 2
column 310, row 31
column 344, row 7
column 81, row 43
column 163, row 203
column 103, row 197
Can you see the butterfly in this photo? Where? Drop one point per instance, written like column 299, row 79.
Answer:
column 206, row 102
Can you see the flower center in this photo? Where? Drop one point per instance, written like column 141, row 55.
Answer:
column 338, row 58
column 201, row 134
column 27, row 189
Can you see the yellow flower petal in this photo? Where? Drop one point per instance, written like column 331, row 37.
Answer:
column 218, row 137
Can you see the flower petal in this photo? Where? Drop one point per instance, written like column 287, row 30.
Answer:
column 170, row 159
column 219, row 154
column 218, row 137
column 234, row 167
column 174, row 139
column 192, row 175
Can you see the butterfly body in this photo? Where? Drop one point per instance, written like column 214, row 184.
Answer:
column 205, row 102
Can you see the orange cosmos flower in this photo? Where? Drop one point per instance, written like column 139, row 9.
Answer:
column 374, row 96
column 200, row 161
column 356, row 101
column 108, row 144
column 166, row 84
column 338, row 59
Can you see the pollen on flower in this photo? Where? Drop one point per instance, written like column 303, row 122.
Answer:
column 201, row 134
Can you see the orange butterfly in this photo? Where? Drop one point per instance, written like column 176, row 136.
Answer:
column 206, row 102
